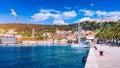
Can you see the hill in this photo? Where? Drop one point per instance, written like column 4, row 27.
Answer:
column 38, row 28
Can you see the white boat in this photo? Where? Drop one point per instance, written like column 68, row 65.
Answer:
column 80, row 43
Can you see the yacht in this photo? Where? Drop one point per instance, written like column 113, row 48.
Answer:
column 80, row 43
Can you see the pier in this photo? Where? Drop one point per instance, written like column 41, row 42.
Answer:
column 109, row 59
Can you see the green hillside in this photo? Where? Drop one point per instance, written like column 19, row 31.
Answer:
column 38, row 28
column 103, row 28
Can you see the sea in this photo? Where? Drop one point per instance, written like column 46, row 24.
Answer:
column 42, row 57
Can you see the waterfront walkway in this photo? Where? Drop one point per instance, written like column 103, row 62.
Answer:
column 110, row 58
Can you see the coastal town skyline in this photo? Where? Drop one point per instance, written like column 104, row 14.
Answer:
column 58, row 12
column 59, row 33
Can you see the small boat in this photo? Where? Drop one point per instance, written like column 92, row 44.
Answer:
column 81, row 43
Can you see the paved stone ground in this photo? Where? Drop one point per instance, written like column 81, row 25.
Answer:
column 110, row 58
column 91, row 60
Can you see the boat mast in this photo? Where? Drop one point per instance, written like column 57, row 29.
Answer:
column 79, row 32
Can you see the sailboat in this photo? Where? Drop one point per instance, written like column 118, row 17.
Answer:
column 81, row 43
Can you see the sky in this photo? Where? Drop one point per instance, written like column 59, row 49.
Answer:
column 61, row 12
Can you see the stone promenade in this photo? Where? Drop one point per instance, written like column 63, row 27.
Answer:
column 110, row 58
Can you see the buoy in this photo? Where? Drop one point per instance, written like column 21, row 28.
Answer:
column 87, row 51
column 84, row 59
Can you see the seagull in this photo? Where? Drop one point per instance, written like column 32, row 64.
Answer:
column 14, row 13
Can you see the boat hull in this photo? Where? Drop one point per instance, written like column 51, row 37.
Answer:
column 78, row 45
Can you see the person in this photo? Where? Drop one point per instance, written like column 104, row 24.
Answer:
column 95, row 47
column 118, row 43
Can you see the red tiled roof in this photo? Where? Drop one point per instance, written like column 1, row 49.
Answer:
column 22, row 39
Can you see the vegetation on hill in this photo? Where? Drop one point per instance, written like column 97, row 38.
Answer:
column 110, row 31
column 107, row 30
column 47, row 28
column 38, row 28
column 26, row 29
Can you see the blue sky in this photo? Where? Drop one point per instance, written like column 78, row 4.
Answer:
column 57, row 11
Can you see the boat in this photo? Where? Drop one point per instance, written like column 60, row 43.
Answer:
column 80, row 43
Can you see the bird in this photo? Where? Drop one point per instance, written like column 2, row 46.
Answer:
column 14, row 13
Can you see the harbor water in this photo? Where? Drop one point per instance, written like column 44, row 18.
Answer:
column 42, row 57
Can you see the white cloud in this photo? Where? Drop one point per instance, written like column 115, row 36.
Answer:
column 104, row 15
column 92, row 4
column 112, row 14
column 40, row 16
column 87, row 12
column 70, row 14
column 49, row 10
column 100, row 13
column 45, row 14
column 57, row 16
column 110, row 19
column 85, row 19
column 59, row 22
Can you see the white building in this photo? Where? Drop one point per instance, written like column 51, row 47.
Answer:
column 12, row 31
column 8, row 39
column 29, row 42
column 90, row 37
column 63, row 41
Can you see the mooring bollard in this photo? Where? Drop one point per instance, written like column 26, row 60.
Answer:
column 101, row 53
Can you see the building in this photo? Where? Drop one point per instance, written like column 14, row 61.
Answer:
column 45, row 42
column 28, row 41
column 8, row 39
column 63, row 41
column 12, row 31
column 49, row 34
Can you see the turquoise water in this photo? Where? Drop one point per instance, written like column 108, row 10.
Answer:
column 42, row 57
